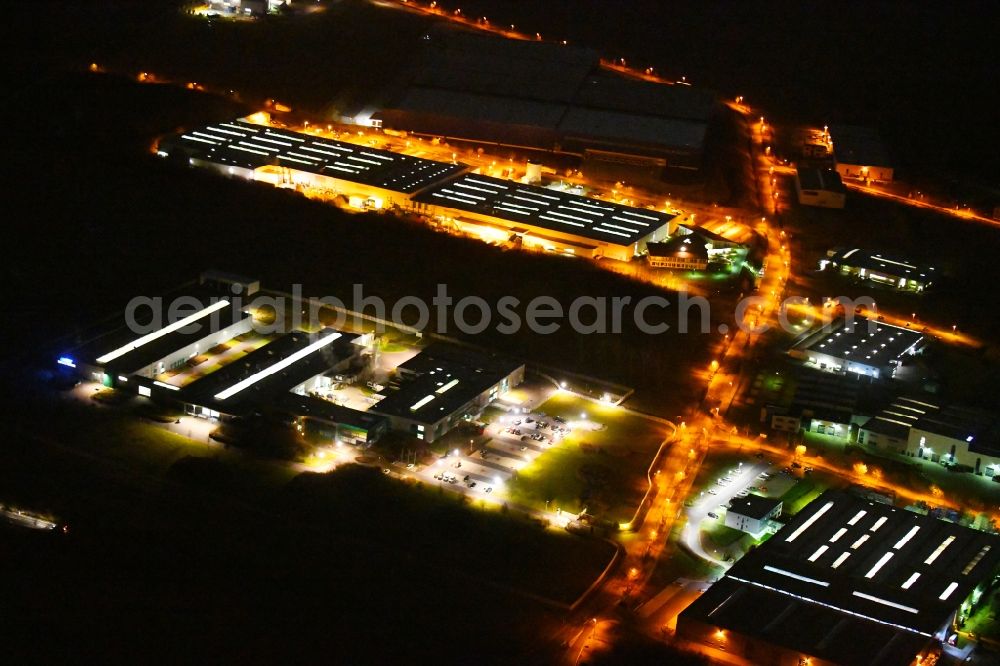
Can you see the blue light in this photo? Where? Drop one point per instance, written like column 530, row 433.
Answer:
column 67, row 361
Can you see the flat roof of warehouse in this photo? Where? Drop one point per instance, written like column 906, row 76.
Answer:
column 182, row 319
column 633, row 128
column 899, row 416
column 318, row 408
column 456, row 59
column 882, row 575
column 265, row 374
column 244, row 144
column 550, row 209
column 881, row 261
column 867, row 341
column 979, row 428
column 609, row 90
column 559, row 89
column 440, row 380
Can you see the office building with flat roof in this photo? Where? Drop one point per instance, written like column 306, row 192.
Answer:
column 444, row 385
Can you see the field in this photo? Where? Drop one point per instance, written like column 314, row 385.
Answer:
column 603, row 470
column 213, row 524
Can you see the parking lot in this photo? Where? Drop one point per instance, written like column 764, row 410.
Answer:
column 516, row 439
column 733, row 478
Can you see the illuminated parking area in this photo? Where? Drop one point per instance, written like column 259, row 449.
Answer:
column 883, row 576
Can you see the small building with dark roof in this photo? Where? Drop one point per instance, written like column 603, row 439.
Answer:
column 752, row 514
column 819, row 187
column 682, row 252
column 861, row 154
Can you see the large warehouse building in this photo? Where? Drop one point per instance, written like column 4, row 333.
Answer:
column 542, row 217
column 488, row 207
column 551, row 97
column 864, row 346
column 885, row 269
column 848, row 581
column 173, row 331
column 380, row 178
column 208, row 361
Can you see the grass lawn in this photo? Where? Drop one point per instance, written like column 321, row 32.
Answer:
column 678, row 563
column 799, row 495
column 721, row 535
column 601, row 465
column 984, row 622
column 502, row 547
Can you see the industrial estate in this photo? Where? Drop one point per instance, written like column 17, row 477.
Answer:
column 794, row 461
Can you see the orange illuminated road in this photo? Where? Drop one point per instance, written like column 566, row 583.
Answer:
column 860, row 475
column 483, row 24
column 959, row 213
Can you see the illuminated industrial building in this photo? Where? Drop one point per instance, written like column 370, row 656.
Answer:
column 952, row 435
column 847, row 581
column 541, row 217
column 175, row 330
column 367, row 178
column 862, row 346
column 885, row 269
column 247, row 7
column 687, row 253
column 443, row 386
column 206, row 360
